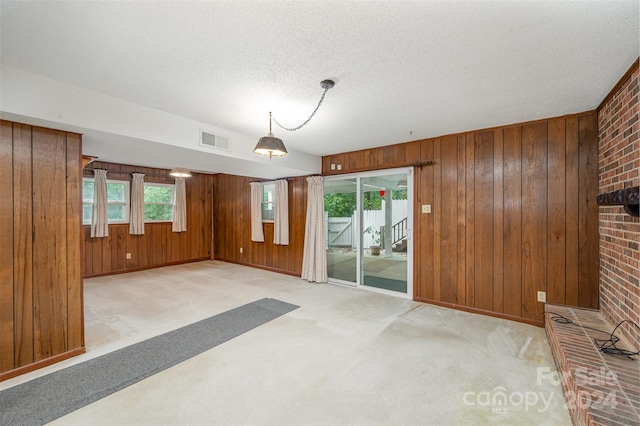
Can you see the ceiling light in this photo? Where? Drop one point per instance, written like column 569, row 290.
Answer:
column 270, row 145
column 180, row 172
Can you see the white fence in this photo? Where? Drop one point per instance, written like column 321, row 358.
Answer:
column 342, row 232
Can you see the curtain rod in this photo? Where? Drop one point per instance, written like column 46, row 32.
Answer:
column 125, row 172
column 285, row 178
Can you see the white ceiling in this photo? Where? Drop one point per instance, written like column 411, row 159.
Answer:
column 404, row 70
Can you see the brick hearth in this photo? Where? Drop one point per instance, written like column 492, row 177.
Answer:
column 599, row 388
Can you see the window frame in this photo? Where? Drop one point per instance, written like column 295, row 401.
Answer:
column 127, row 200
column 263, row 186
column 173, row 200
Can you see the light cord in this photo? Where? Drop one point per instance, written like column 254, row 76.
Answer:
column 293, row 129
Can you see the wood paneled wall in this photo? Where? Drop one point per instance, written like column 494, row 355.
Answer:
column 513, row 213
column 41, row 302
column 232, row 213
column 158, row 246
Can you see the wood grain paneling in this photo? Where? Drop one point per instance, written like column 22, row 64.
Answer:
column 513, row 213
column 41, row 294
column 556, row 212
column 448, row 220
column 232, row 213
column 391, row 156
column 534, row 217
column 498, row 220
column 572, row 226
column 588, row 236
column 512, row 222
column 49, row 255
column 483, row 220
column 23, row 243
column 75, row 295
column 7, row 333
column 423, row 252
column 159, row 245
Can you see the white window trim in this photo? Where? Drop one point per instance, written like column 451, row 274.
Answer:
column 173, row 200
column 272, row 202
column 127, row 200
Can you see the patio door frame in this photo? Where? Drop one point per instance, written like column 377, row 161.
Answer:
column 358, row 224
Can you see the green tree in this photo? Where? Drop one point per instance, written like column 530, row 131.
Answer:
column 158, row 203
column 343, row 204
column 340, row 204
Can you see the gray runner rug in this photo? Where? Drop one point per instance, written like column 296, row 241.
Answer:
column 47, row 398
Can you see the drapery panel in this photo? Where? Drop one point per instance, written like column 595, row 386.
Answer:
column 136, row 219
column 99, row 219
column 257, row 234
column 314, row 259
column 281, row 213
column 180, row 207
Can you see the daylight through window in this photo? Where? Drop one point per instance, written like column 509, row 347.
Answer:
column 158, row 202
column 268, row 201
column 117, row 201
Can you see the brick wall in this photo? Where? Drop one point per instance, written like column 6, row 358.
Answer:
column 619, row 165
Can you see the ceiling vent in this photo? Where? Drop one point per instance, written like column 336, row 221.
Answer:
column 214, row 141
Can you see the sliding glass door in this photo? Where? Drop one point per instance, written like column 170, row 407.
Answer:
column 385, row 227
column 368, row 219
column 340, row 206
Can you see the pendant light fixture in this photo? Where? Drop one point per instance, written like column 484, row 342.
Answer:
column 179, row 172
column 270, row 145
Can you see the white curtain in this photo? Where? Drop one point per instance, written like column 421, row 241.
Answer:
column 314, row 258
column 136, row 219
column 180, row 207
column 99, row 219
column 281, row 213
column 257, row 234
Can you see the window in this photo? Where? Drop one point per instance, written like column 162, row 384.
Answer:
column 158, row 202
column 117, row 201
column 268, row 201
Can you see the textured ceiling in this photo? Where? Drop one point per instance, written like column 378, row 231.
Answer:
column 403, row 70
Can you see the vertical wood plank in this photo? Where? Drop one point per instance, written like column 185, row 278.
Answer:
column 437, row 220
column 461, row 188
column 157, row 247
column 131, row 246
column 425, row 284
column 23, row 244
column 512, row 221
column 470, row 220
column 498, row 206
column 50, row 243
column 572, row 211
column 417, row 231
column 588, row 293
column 75, row 311
column 96, row 261
column 556, row 190
column 88, row 251
column 107, row 250
column 534, row 217
column 449, row 219
column 483, row 219
column 120, row 246
column 7, row 324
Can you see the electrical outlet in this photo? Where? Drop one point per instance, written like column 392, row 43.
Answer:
column 542, row 296
column 333, row 167
column 339, row 166
column 426, row 208
column 241, row 250
column 128, row 256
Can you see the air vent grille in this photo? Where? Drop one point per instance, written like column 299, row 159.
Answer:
column 214, row 141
